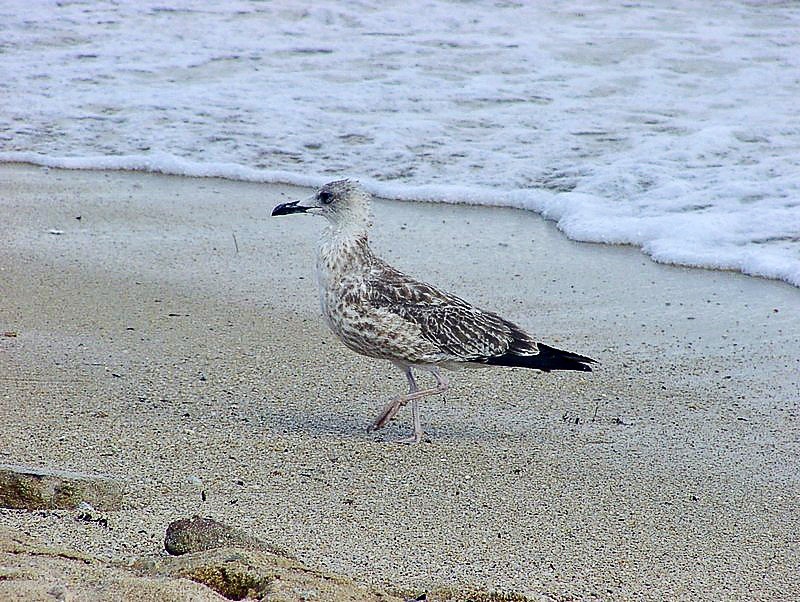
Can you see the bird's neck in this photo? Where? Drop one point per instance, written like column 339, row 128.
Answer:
column 342, row 251
column 345, row 234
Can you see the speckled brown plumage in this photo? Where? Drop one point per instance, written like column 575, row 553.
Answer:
column 380, row 312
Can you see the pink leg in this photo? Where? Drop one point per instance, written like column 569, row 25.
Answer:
column 414, row 395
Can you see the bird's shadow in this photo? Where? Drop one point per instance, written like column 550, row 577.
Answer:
column 338, row 421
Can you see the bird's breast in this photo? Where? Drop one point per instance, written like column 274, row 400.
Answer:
column 345, row 278
column 340, row 281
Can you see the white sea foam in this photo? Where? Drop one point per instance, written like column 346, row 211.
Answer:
column 671, row 126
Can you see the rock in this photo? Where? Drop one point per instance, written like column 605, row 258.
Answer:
column 198, row 534
column 237, row 573
column 123, row 589
column 31, row 572
column 30, row 488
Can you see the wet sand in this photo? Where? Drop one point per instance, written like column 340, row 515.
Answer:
column 171, row 338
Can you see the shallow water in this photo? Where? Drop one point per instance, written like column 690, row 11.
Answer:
column 671, row 126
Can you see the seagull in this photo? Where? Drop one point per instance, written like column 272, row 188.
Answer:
column 378, row 311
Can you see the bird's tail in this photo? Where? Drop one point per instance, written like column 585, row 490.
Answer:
column 548, row 358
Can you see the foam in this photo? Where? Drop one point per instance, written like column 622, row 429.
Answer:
column 672, row 128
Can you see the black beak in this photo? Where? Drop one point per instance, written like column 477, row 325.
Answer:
column 289, row 208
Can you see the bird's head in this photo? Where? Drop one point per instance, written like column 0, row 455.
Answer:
column 344, row 203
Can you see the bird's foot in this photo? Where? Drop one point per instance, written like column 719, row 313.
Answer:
column 389, row 412
column 410, row 440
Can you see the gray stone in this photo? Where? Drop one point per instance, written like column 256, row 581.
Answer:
column 238, row 574
column 198, row 534
column 31, row 488
column 31, row 572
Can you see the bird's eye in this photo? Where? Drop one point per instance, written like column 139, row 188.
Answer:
column 325, row 197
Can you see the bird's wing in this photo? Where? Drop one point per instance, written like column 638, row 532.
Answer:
column 454, row 326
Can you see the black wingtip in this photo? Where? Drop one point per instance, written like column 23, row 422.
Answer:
column 548, row 358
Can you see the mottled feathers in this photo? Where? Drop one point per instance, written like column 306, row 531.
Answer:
column 384, row 313
column 380, row 312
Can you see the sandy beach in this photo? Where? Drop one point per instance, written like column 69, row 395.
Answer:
column 166, row 332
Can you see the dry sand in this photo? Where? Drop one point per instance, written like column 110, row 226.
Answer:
column 170, row 337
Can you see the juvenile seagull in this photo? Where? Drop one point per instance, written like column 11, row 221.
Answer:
column 380, row 312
